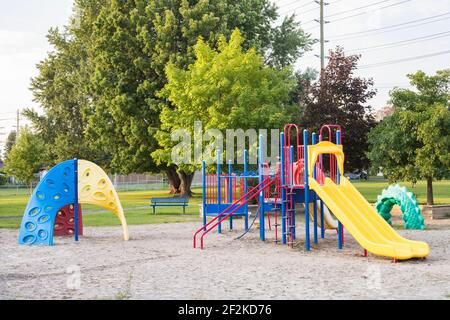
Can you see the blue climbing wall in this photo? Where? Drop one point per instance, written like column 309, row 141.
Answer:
column 54, row 191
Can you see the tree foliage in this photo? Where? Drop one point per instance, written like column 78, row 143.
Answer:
column 414, row 143
column 224, row 88
column 340, row 97
column 10, row 141
column 135, row 40
column 60, row 88
column 25, row 158
column 99, row 86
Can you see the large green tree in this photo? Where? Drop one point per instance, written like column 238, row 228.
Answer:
column 61, row 88
column 224, row 88
column 414, row 143
column 340, row 97
column 136, row 39
column 99, row 86
column 25, row 158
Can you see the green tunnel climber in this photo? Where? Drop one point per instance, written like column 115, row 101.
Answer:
column 397, row 195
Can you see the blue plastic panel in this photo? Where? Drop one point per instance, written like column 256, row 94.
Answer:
column 213, row 209
column 54, row 191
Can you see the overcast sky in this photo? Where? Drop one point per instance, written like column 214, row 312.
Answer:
column 426, row 23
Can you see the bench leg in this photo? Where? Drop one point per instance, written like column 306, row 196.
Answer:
column 154, row 212
column 184, row 209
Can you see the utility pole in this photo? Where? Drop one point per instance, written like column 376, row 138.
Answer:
column 17, row 124
column 322, row 39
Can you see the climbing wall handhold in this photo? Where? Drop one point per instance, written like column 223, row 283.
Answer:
column 50, row 209
column 54, row 191
column 95, row 187
column 64, row 221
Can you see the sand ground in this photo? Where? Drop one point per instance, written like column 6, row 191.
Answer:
column 159, row 263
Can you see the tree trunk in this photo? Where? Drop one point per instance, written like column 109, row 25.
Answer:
column 173, row 180
column 430, row 200
column 186, row 182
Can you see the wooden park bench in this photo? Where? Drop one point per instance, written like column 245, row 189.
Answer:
column 169, row 202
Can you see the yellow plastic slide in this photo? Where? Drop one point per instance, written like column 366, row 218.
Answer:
column 329, row 222
column 363, row 222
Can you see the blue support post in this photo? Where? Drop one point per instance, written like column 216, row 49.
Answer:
column 322, row 221
column 283, row 190
column 230, row 189
column 261, row 193
column 322, row 218
column 306, row 183
column 219, row 189
column 292, row 222
column 204, row 193
column 75, row 205
column 338, row 178
column 313, row 141
column 245, row 187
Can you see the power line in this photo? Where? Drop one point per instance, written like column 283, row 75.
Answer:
column 355, row 9
column 370, row 11
column 294, row 11
column 393, row 87
column 385, row 63
column 291, row 3
column 299, row 7
column 348, row 35
column 358, row 14
column 296, row 2
column 334, row 2
column 404, row 42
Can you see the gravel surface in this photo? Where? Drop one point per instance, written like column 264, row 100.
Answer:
column 158, row 262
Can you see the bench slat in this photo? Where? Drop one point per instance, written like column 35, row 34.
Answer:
column 169, row 202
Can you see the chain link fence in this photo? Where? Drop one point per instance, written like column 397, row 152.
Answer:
column 130, row 182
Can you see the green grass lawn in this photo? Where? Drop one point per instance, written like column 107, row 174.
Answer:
column 372, row 188
column 135, row 205
column 137, row 210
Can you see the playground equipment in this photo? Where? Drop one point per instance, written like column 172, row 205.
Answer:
column 329, row 221
column 302, row 176
column 54, row 205
column 397, row 195
column 65, row 221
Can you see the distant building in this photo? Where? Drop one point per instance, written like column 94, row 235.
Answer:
column 383, row 112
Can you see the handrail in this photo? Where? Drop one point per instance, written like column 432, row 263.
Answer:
column 206, row 230
column 234, row 210
column 287, row 145
column 330, row 127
